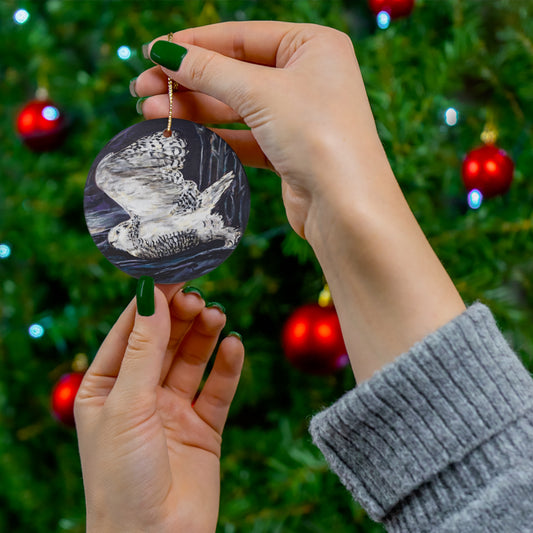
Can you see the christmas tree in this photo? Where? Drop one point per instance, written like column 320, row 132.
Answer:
column 436, row 78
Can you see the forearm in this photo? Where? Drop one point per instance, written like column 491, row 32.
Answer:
column 388, row 286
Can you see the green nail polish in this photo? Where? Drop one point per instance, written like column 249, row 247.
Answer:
column 139, row 105
column 168, row 55
column 133, row 92
column 235, row 334
column 145, row 296
column 220, row 307
column 193, row 290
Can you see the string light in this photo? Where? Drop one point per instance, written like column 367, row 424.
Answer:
column 124, row 52
column 50, row 112
column 5, row 251
column 383, row 20
column 21, row 16
column 36, row 331
column 475, row 199
column 451, row 116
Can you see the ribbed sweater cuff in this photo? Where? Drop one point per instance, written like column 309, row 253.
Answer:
column 418, row 427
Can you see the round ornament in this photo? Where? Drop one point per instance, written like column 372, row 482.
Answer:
column 63, row 396
column 170, row 206
column 395, row 8
column 41, row 125
column 312, row 340
column 488, row 169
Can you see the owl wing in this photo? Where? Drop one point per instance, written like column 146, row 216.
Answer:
column 142, row 190
column 214, row 192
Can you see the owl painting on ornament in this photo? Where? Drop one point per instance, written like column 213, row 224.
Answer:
column 169, row 207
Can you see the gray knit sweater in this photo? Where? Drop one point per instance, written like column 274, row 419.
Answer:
column 440, row 440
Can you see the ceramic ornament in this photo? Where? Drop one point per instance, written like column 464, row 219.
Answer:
column 172, row 207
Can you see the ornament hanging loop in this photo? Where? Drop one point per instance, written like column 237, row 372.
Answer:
column 489, row 134
column 324, row 298
column 80, row 363
column 172, row 85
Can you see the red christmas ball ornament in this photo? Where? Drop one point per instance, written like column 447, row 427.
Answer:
column 63, row 396
column 488, row 169
column 395, row 8
column 41, row 125
column 312, row 340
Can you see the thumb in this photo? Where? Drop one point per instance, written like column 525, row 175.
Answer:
column 229, row 80
column 140, row 370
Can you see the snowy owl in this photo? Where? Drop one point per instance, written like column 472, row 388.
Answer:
column 168, row 214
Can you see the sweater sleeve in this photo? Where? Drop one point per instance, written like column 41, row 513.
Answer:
column 440, row 440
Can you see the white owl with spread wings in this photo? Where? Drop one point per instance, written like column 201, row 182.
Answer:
column 168, row 214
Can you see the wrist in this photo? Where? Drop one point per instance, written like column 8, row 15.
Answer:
column 350, row 194
column 389, row 288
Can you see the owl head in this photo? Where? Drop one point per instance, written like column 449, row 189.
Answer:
column 122, row 237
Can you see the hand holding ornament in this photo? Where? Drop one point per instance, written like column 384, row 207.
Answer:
column 149, row 446
column 299, row 89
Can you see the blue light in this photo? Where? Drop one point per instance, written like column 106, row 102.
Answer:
column 36, row 331
column 50, row 112
column 124, row 52
column 475, row 198
column 5, row 251
column 451, row 116
column 21, row 16
column 383, row 20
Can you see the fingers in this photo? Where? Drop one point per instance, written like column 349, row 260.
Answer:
column 215, row 399
column 204, row 109
column 185, row 373
column 251, row 41
column 184, row 308
column 232, row 52
column 147, row 344
column 190, row 106
column 226, row 79
column 109, row 357
column 246, row 147
column 170, row 290
column 151, row 81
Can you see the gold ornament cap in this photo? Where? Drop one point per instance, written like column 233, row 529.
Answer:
column 324, row 298
column 80, row 362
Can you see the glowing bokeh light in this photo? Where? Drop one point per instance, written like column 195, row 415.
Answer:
column 299, row 330
column 451, row 116
column 324, row 331
column 491, row 167
column 475, row 199
column 5, row 251
column 21, row 16
column 65, row 394
column 383, row 20
column 36, row 331
column 50, row 112
column 124, row 52
column 473, row 167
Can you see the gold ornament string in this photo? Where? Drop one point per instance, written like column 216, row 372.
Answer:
column 172, row 86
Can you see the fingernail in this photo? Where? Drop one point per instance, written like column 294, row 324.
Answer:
column 139, row 105
column 133, row 92
column 168, row 55
column 220, row 307
column 235, row 334
column 145, row 296
column 146, row 50
column 192, row 290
